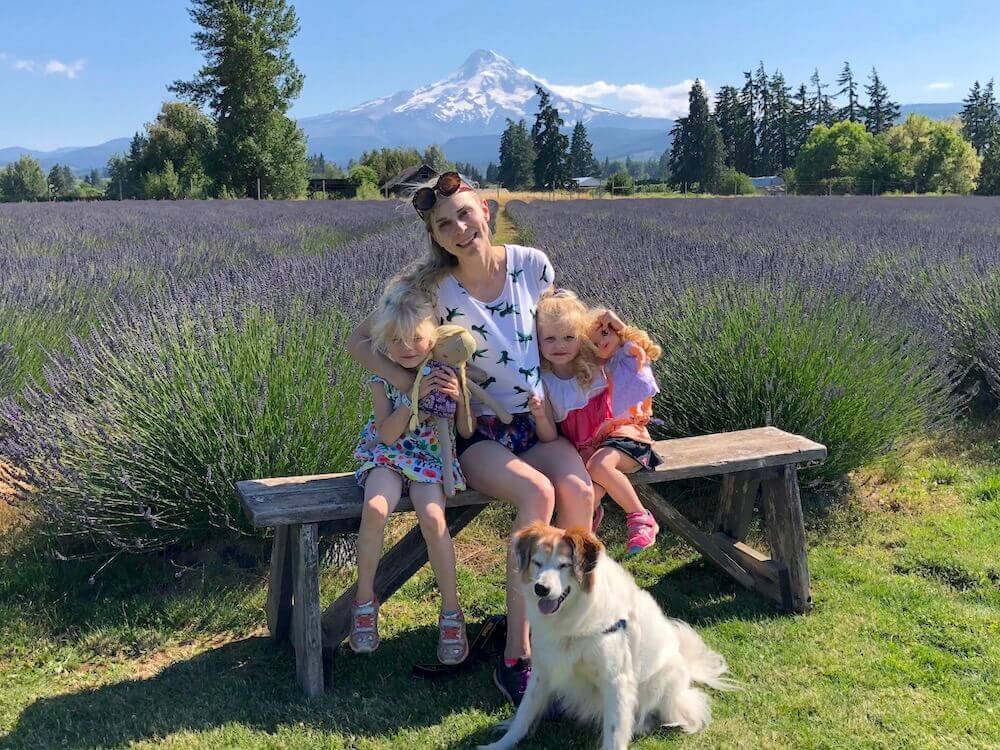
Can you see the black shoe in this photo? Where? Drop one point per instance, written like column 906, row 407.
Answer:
column 512, row 681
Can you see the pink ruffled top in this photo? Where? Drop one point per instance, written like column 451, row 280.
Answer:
column 582, row 414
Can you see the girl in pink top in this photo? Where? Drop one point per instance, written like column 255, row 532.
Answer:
column 579, row 400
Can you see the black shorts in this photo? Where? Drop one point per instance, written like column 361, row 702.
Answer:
column 640, row 452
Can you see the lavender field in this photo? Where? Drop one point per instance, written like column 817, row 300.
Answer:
column 152, row 354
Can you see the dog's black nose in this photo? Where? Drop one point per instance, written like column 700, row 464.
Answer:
column 541, row 590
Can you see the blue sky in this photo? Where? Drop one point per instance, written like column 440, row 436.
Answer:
column 79, row 73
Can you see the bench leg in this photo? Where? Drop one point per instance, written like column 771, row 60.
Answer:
column 787, row 537
column 395, row 568
column 307, row 634
column 737, row 499
column 279, row 592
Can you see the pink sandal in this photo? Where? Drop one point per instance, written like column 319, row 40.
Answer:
column 364, row 627
column 642, row 529
column 453, row 643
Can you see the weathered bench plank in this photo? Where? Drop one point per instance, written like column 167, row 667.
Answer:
column 328, row 497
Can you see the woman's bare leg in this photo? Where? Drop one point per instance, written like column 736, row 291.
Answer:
column 559, row 461
column 495, row 471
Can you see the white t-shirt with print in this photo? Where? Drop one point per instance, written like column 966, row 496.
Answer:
column 504, row 328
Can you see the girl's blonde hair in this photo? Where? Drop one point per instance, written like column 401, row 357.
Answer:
column 563, row 306
column 635, row 335
column 402, row 311
column 426, row 272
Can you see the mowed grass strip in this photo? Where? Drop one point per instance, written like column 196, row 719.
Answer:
column 902, row 650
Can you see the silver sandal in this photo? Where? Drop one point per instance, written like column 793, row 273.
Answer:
column 453, row 643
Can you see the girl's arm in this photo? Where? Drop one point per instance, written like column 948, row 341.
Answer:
column 545, row 422
column 450, row 387
column 389, row 423
column 360, row 347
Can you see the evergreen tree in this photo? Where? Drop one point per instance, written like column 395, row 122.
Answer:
column 881, row 112
column 517, row 157
column 852, row 110
column 697, row 151
column 989, row 175
column 389, row 162
column 317, row 165
column 801, row 120
column 822, row 107
column 249, row 82
column 469, row 170
column 492, row 172
column 434, row 157
column 779, row 147
column 57, row 182
column 729, row 117
column 550, row 144
column 94, row 178
column 184, row 136
column 746, row 156
column 765, row 122
column 581, row 154
column 980, row 117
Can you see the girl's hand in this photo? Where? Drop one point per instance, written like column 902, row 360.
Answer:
column 636, row 351
column 449, row 387
column 609, row 319
column 536, row 406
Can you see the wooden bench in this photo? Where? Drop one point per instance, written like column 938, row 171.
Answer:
column 758, row 469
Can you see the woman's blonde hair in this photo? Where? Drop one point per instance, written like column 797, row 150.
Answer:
column 402, row 311
column 631, row 333
column 564, row 306
column 427, row 271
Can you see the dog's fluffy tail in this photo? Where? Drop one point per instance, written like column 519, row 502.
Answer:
column 705, row 665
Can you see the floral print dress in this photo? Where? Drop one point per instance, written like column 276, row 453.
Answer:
column 416, row 455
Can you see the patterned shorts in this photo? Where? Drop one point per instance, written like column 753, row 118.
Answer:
column 517, row 437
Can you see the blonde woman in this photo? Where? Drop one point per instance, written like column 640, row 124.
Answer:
column 493, row 291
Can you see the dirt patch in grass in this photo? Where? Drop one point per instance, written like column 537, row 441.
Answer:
column 152, row 664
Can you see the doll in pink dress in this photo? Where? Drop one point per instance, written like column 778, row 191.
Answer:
column 580, row 402
column 626, row 353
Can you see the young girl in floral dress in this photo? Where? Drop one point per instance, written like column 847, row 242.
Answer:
column 395, row 459
column 581, row 401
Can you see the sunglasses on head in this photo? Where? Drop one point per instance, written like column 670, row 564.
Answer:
column 448, row 183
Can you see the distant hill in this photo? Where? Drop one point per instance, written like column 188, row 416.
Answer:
column 464, row 113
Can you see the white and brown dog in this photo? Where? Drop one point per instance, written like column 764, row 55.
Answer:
column 602, row 646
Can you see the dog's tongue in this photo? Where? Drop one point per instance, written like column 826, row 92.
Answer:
column 548, row 606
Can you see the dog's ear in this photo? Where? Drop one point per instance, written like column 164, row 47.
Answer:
column 586, row 549
column 524, row 544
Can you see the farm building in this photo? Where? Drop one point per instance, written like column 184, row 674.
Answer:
column 339, row 186
column 403, row 183
column 770, row 184
column 588, row 183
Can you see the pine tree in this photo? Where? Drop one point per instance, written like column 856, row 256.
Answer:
column 852, row 110
column 747, row 154
column 881, row 112
column 777, row 148
column 764, row 121
column 249, row 81
column 822, row 107
column 434, row 157
column 697, row 150
column 492, row 172
column 801, row 120
column 730, row 120
column 989, row 174
column 581, row 154
column 550, row 144
column 517, row 157
column 980, row 116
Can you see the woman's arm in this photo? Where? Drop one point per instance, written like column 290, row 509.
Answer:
column 545, row 422
column 360, row 347
column 389, row 423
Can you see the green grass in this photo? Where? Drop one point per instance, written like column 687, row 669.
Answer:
column 902, row 650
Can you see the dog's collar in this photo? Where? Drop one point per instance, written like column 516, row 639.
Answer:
column 620, row 625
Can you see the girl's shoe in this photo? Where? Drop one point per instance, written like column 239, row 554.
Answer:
column 364, row 627
column 642, row 530
column 453, row 644
column 595, row 522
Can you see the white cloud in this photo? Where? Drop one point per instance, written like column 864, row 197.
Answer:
column 633, row 98
column 53, row 67
column 59, row 68
column 940, row 85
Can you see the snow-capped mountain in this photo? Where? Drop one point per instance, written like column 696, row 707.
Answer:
column 475, row 100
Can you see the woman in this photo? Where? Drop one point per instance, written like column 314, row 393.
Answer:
column 492, row 290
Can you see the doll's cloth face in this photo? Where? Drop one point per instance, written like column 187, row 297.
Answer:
column 606, row 340
column 455, row 349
